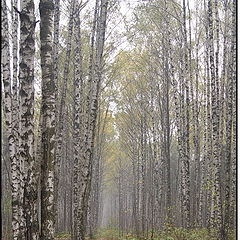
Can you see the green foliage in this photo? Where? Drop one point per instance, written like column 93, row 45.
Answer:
column 169, row 233
column 174, row 233
column 63, row 235
column 107, row 233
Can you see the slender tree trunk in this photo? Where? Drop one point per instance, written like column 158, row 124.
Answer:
column 166, row 126
column 11, row 117
column 92, row 108
column 77, row 124
column 61, row 112
column 216, row 211
column 55, row 57
column 48, row 121
column 55, row 52
column 230, row 161
column 185, row 130
column 15, row 98
column 27, row 157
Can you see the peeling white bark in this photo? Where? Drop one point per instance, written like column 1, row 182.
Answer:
column 48, row 121
column 26, row 147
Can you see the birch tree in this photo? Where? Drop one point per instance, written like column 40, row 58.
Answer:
column 46, row 8
column 11, row 118
column 91, row 114
column 229, row 214
column 78, row 92
column 63, row 91
column 216, row 215
column 28, row 193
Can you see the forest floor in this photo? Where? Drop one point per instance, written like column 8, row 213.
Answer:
column 169, row 234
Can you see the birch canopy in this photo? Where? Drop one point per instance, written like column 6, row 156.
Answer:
column 119, row 119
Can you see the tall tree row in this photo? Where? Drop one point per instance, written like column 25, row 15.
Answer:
column 183, row 119
column 20, row 129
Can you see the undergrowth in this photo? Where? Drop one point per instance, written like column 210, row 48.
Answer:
column 63, row 235
column 171, row 233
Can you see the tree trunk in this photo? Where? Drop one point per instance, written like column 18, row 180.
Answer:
column 48, row 121
column 27, row 157
column 92, row 108
column 60, row 117
column 77, row 116
column 10, row 113
column 216, row 211
column 230, row 154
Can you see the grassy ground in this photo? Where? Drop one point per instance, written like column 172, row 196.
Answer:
column 168, row 234
column 63, row 236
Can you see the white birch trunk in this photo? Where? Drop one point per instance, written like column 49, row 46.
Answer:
column 10, row 96
column 48, row 121
column 26, row 148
